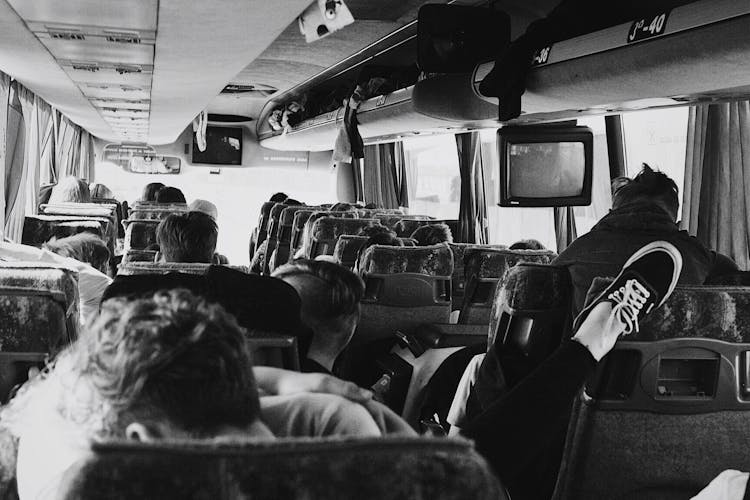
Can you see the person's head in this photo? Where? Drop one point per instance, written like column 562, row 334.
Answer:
column 187, row 237
column 169, row 194
column 530, row 244
column 382, row 238
column 205, row 207
column 330, row 296
column 649, row 186
column 149, row 192
column 83, row 247
column 100, row 191
column 375, row 229
column 618, row 182
column 432, row 234
column 278, row 197
column 169, row 365
column 70, row 190
column 343, row 207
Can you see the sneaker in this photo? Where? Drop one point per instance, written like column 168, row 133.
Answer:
column 646, row 281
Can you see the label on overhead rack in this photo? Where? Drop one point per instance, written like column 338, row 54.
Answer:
column 648, row 27
column 541, row 56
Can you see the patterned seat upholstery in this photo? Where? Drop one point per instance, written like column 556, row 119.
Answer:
column 298, row 228
column 283, row 236
column 459, row 277
column 152, row 204
column 406, row 226
column 684, row 373
column 156, row 213
column 325, row 231
column 738, row 278
column 140, row 234
column 135, row 268
column 347, row 248
column 38, row 317
column 483, row 269
column 138, row 256
column 382, row 468
column 405, row 287
column 38, row 229
column 120, row 211
column 99, row 211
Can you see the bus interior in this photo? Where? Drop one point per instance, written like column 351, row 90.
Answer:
column 510, row 122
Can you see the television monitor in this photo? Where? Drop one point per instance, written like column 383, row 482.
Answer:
column 545, row 166
column 223, row 146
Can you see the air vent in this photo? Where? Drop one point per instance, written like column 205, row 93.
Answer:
column 126, row 70
column 81, row 66
column 65, row 34
column 128, row 88
column 122, row 37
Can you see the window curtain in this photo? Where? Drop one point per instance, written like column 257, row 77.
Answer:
column 472, row 215
column 15, row 172
column 565, row 227
column 716, row 193
column 74, row 150
column 4, row 99
column 385, row 182
column 37, row 116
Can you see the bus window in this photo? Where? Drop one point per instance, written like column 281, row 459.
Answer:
column 433, row 177
column 657, row 137
column 601, row 193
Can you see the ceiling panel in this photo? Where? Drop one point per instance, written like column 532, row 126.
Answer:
column 108, row 75
column 125, row 14
column 100, row 50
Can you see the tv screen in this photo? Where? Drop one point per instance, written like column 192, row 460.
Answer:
column 545, row 166
column 223, row 147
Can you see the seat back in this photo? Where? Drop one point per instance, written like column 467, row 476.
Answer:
column 134, row 268
column 157, row 212
column 407, row 225
column 375, row 468
column 680, row 407
column 140, row 233
column 459, row 277
column 38, row 229
column 325, row 231
column 38, row 317
column 484, row 268
column 685, row 373
column 283, row 237
column 121, row 212
column 265, row 212
column 99, row 211
column 404, row 288
column 347, row 248
column 138, row 256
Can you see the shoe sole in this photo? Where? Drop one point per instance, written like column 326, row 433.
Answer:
column 644, row 250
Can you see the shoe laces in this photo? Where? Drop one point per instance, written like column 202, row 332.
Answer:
column 628, row 301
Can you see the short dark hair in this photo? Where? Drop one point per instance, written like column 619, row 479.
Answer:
column 187, row 237
column 649, row 186
column 432, row 234
column 169, row 194
column 172, row 355
column 382, row 238
column 376, row 229
column 149, row 192
column 342, row 207
column 278, row 197
column 333, row 291
column 529, row 244
column 83, row 247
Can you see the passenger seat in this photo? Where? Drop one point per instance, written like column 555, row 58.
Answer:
column 325, row 231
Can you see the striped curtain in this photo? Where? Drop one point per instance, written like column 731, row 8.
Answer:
column 15, row 171
column 472, row 215
column 4, row 97
column 716, row 193
column 385, row 182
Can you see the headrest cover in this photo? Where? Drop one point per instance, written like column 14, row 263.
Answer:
column 434, row 260
column 493, row 263
column 330, row 228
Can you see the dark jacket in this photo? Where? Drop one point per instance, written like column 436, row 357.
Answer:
column 604, row 250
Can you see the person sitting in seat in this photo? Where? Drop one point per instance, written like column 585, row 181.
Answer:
column 91, row 283
column 70, row 190
column 83, row 247
column 432, row 234
column 187, row 237
column 170, row 366
column 342, row 207
column 530, row 244
column 643, row 210
column 370, row 231
column 100, row 191
column 169, row 194
column 206, row 207
column 259, row 257
column 149, row 192
column 278, row 197
column 330, row 296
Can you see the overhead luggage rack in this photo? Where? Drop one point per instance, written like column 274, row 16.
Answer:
column 692, row 53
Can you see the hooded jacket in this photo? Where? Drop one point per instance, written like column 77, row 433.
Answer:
column 604, row 250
